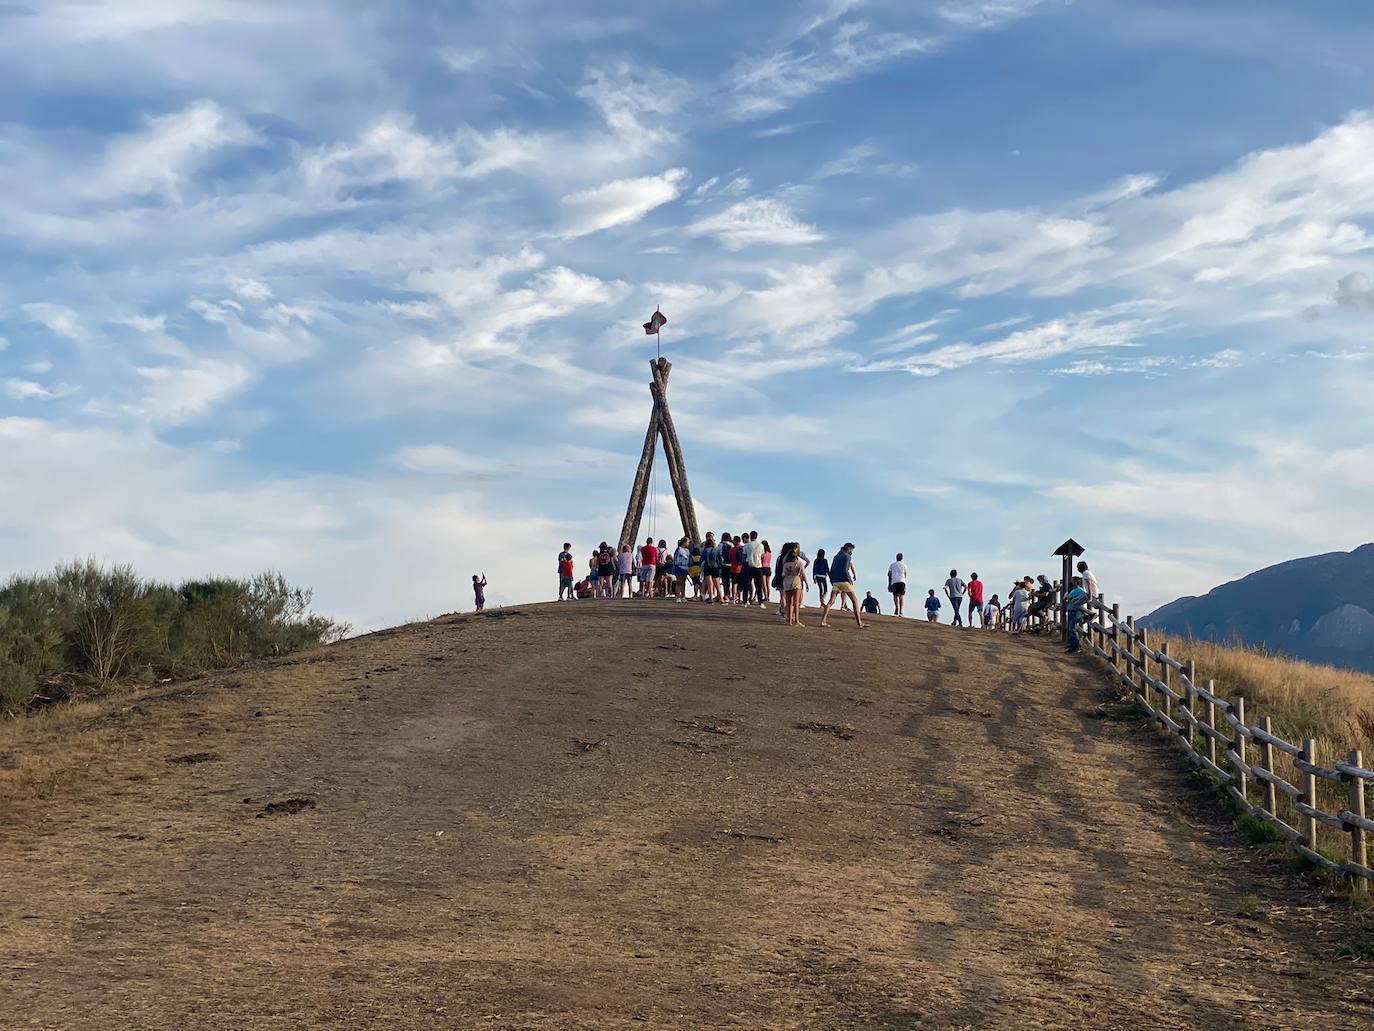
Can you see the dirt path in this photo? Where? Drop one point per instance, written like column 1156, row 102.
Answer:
column 626, row 816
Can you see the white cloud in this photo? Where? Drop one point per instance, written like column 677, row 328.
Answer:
column 168, row 149
column 760, row 220
column 444, row 460
column 863, row 159
column 619, row 202
column 1088, row 331
column 177, row 394
column 992, row 14
column 58, row 319
column 764, row 84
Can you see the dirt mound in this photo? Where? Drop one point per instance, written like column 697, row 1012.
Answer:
column 625, row 815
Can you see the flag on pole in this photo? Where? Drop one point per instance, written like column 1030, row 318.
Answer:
column 656, row 322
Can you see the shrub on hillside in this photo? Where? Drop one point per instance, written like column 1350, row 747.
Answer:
column 85, row 625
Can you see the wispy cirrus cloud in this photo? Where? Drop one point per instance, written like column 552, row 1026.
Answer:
column 758, row 221
column 619, row 202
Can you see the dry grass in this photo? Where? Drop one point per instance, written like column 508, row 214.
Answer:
column 1334, row 706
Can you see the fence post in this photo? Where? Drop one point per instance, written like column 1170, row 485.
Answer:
column 1271, row 799
column 1358, row 849
column 1116, row 637
column 1128, row 658
column 1237, row 774
column 1143, row 652
column 1100, row 619
column 1166, row 674
column 1309, row 790
column 1212, row 723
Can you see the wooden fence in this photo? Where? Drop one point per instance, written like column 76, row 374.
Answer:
column 1215, row 735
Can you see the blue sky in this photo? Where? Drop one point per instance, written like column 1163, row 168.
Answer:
column 354, row 290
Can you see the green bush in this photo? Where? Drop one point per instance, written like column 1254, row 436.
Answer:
column 85, row 625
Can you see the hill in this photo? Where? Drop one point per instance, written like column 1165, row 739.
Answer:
column 625, row 815
column 1319, row 608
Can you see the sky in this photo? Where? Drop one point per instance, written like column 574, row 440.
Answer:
column 355, row 290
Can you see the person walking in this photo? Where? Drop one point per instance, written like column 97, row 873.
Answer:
column 842, row 577
column 954, row 591
column 975, row 600
column 820, row 573
column 793, row 583
column 479, row 590
column 932, row 607
column 567, row 566
column 896, row 584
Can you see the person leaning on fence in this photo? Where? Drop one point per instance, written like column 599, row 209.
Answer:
column 1076, row 602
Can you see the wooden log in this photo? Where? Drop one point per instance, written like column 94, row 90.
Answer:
column 1128, row 659
column 1116, row 636
column 1309, row 792
column 1238, row 778
column 1166, row 675
column 639, row 491
column 1271, row 800
column 1212, row 725
column 672, row 448
column 1359, row 853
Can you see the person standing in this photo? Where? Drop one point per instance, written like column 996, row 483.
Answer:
column 975, row 600
column 648, row 564
column 624, row 572
column 479, row 590
column 710, row 568
column 766, row 581
column 896, row 584
column 682, row 566
column 932, row 607
column 842, row 577
column 1020, row 599
column 1074, row 603
column 567, row 565
column 793, row 583
column 954, row 591
column 820, row 573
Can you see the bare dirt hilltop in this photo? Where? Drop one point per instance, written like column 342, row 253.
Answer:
column 624, row 815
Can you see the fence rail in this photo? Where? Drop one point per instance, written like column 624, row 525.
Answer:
column 1247, row 759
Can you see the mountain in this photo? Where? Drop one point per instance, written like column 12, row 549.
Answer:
column 1319, row 608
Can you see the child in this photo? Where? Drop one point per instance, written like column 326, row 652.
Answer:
column 932, row 607
column 479, row 588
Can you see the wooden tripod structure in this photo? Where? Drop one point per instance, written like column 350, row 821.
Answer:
column 660, row 425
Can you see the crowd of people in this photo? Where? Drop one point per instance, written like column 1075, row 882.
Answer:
column 742, row 569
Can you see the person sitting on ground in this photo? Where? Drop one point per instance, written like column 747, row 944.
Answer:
column 932, row 607
column 567, row 566
column 1074, row 603
column 584, row 587
column 954, row 591
column 870, row 604
column 975, row 599
column 793, row 582
column 896, row 584
column 820, row 573
column 842, row 578
column 479, row 589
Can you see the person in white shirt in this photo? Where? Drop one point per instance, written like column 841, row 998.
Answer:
column 896, row 583
column 1089, row 581
column 954, row 591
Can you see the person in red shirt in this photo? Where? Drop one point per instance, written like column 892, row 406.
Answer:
column 648, row 562
column 975, row 598
column 566, row 568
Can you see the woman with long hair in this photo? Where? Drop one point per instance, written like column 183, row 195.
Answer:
column 793, row 583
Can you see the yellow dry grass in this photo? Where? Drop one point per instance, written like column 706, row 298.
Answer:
column 1334, row 706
